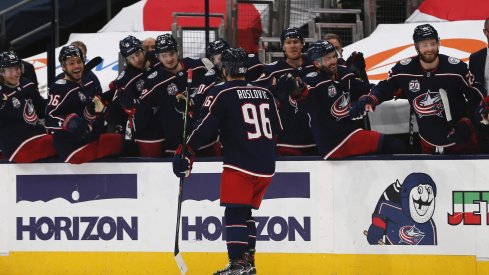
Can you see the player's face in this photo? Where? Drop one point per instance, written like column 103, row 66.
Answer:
column 169, row 59
column 73, row 68
column 137, row 59
column 328, row 63
column 428, row 50
column 11, row 75
column 149, row 45
column 216, row 59
column 293, row 48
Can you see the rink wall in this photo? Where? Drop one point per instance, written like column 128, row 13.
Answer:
column 119, row 218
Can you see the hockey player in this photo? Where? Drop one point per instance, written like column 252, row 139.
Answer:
column 162, row 95
column 247, row 118
column 296, row 139
column 439, row 89
column 326, row 101
column 72, row 114
column 127, row 87
column 23, row 138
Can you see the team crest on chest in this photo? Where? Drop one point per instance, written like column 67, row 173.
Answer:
column 172, row 89
column 82, row 97
column 414, row 86
column 15, row 102
column 30, row 115
column 332, row 91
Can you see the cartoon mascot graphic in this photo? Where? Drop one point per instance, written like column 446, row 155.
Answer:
column 403, row 215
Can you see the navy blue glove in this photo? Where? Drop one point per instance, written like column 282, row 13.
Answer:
column 77, row 126
column 376, row 230
column 357, row 110
column 461, row 132
column 182, row 163
column 287, row 84
column 356, row 63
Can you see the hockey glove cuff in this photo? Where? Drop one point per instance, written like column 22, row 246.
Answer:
column 359, row 109
column 77, row 126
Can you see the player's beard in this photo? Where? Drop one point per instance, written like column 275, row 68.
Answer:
column 429, row 59
column 73, row 77
column 328, row 70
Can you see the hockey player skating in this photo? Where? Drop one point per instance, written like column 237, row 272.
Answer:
column 326, row 100
column 296, row 139
column 439, row 89
column 73, row 114
column 247, row 119
column 22, row 137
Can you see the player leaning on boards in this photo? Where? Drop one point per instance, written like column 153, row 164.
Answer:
column 73, row 113
column 248, row 121
column 326, row 100
column 296, row 138
column 440, row 90
column 23, row 138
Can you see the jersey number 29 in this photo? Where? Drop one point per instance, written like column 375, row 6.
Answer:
column 258, row 118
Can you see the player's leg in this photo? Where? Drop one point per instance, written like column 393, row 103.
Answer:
column 236, row 195
column 36, row 148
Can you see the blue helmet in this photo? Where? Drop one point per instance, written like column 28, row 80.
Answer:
column 130, row 45
column 216, row 47
column 319, row 49
column 235, row 61
column 423, row 32
column 9, row 59
column 292, row 32
column 70, row 51
column 165, row 43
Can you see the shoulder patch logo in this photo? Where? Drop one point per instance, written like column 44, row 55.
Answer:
column 453, row 60
column 273, row 63
column 251, row 55
column 172, row 89
column 406, row 61
column 210, row 72
column 153, row 75
column 60, row 81
column 332, row 91
column 82, row 97
column 15, row 102
column 312, row 74
column 121, row 75
column 414, row 86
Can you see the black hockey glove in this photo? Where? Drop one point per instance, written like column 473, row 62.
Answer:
column 356, row 63
column 182, row 163
column 358, row 109
column 77, row 126
column 287, row 85
column 376, row 230
column 461, row 132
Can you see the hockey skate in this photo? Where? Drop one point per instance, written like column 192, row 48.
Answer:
column 237, row 267
column 250, row 261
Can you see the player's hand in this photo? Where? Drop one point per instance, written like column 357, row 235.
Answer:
column 182, row 163
column 366, row 103
column 77, row 126
column 98, row 105
column 181, row 102
column 356, row 63
column 461, row 131
column 287, row 85
column 376, row 230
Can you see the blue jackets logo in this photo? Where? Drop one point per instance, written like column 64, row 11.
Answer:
column 76, row 189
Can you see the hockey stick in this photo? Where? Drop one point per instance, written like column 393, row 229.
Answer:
column 92, row 63
column 178, row 257
column 448, row 113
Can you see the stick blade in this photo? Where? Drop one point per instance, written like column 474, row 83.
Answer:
column 181, row 263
